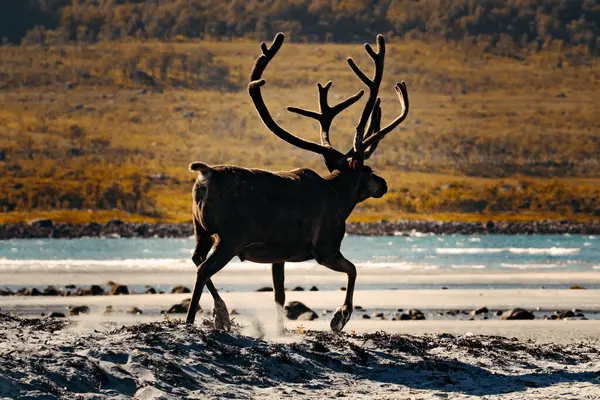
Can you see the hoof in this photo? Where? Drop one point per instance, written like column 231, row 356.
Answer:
column 221, row 315
column 340, row 319
column 280, row 330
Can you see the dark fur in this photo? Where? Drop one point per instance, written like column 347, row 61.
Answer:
column 280, row 216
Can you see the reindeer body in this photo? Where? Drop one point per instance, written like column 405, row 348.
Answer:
column 279, row 217
column 274, row 217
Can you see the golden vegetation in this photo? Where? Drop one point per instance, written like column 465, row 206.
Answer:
column 113, row 126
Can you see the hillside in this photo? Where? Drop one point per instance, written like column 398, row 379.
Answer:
column 113, row 125
column 506, row 27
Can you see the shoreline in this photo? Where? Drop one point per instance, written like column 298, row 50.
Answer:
column 46, row 228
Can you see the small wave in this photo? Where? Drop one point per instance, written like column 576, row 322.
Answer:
column 174, row 264
column 141, row 264
column 404, row 266
column 529, row 266
column 472, row 250
column 466, row 266
column 553, row 251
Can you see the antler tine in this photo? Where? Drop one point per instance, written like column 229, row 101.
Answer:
column 374, row 126
column 373, row 85
column 255, row 93
column 378, row 135
column 326, row 113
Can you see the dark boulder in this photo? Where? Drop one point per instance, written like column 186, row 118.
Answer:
column 119, row 289
column 134, row 310
column 565, row 314
column 181, row 308
column 56, row 314
column 416, row 315
column 265, row 289
column 78, row 310
column 378, row 315
column 41, row 223
column 51, row 291
column 517, row 314
column 177, row 309
column 314, row 289
column 96, row 290
column 295, row 308
column 28, row 292
column 480, row 310
column 180, row 289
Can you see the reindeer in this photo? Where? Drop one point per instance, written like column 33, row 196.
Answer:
column 292, row 216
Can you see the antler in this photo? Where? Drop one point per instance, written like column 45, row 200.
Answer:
column 327, row 113
column 254, row 90
column 374, row 126
column 371, row 141
column 373, row 85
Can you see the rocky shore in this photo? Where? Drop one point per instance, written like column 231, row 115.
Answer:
column 294, row 310
column 46, row 228
column 406, row 227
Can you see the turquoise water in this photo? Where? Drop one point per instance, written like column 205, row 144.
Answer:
column 411, row 253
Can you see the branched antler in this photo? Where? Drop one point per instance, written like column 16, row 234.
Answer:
column 366, row 138
column 326, row 113
column 373, row 139
column 373, row 85
column 254, row 90
column 374, row 126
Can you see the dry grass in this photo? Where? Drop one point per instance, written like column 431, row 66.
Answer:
column 477, row 119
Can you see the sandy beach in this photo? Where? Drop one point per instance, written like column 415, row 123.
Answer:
column 86, row 357
column 150, row 356
column 453, row 353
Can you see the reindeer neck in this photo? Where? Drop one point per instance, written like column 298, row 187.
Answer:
column 346, row 187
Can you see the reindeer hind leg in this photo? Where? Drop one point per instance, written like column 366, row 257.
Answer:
column 221, row 255
column 220, row 311
column 204, row 243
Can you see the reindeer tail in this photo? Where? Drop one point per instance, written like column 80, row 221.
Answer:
column 200, row 167
column 204, row 171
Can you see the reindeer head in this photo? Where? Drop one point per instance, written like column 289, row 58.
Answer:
column 368, row 130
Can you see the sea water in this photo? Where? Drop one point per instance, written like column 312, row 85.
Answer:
column 413, row 254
